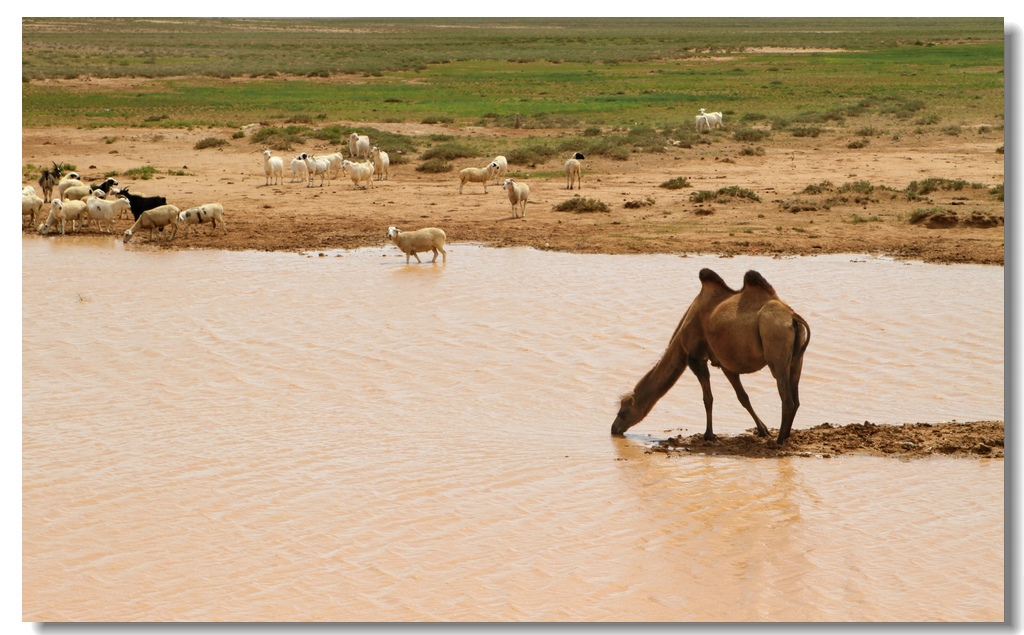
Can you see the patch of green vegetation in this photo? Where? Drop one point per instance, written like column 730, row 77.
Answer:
column 856, row 187
column 997, row 191
column 434, row 166
column 210, row 142
column 579, row 204
column 747, row 151
column 857, row 144
column 733, row 191
column 676, row 184
column 805, row 131
column 818, row 188
column 450, row 150
column 920, row 189
column 280, row 139
column 144, row 173
column 751, row 135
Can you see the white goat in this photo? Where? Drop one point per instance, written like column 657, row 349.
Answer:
column 273, row 167
column 359, row 172
column 427, row 239
column 154, row 218
column 476, row 175
column 31, row 205
column 28, row 190
column 66, row 182
column 518, row 193
column 61, row 212
column 299, row 170
column 501, row 165
column 702, row 124
column 381, row 162
column 210, row 213
column 315, row 166
column 335, row 160
column 105, row 211
column 714, row 118
column 573, row 171
column 359, row 145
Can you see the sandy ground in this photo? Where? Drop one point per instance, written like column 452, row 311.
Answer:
column 643, row 217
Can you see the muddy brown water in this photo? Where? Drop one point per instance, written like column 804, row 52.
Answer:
column 250, row 436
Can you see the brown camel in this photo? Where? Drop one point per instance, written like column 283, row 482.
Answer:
column 740, row 332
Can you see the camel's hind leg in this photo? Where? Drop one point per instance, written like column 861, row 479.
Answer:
column 700, row 369
column 741, row 394
column 786, row 368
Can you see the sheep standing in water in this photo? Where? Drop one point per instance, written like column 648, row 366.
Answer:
column 427, row 239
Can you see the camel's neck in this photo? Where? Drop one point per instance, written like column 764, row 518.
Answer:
column 664, row 375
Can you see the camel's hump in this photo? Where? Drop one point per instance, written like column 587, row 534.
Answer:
column 754, row 279
column 707, row 275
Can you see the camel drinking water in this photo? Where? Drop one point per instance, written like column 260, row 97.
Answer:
column 738, row 331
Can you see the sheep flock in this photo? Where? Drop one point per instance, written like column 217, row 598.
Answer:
column 65, row 203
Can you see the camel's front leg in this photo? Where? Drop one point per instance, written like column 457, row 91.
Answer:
column 741, row 394
column 700, row 369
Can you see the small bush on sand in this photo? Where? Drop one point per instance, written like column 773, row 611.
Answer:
column 578, row 204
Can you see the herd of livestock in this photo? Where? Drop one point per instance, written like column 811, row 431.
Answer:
column 66, row 198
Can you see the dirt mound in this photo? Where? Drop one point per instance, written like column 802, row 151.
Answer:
column 978, row 439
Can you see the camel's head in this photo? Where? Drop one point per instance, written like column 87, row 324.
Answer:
column 629, row 415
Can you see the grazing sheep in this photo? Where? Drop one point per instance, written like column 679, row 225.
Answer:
column 381, row 162
column 299, row 170
column 335, row 160
column 30, row 206
column 104, row 211
column 476, row 175
column 273, row 167
column 78, row 192
column 61, row 212
column 573, row 171
column 427, row 239
column 317, row 165
column 47, row 180
column 158, row 217
column 702, row 124
column 210, row 213
column 518, row 193
column 501, row 165
column 359, row 172
column 141, row 203
column 67, row 182
column 359, row 145
column 107, row 186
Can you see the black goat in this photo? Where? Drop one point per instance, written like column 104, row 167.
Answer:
column 142, row 203
column 48, row 179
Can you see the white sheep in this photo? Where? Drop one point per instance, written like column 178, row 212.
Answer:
column 104, row 212
column 76, row 192
column 359, row 172
column 335, row 160
column 154, row 218
column 702, row 124
column 299, row 170
column 66, row 182
column 315, row 166
column 573, row 171
column 714, row 118
column 476, row 175
column 61, row 212
column 359, row 145
column 518, row 193
column 427, row 239
column 381, row 162
column 31, row 205
column 209, row 213
column 501, row 168
column 273, row 167
column 28, row 190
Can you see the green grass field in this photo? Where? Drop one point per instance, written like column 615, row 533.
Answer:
column 573, row 73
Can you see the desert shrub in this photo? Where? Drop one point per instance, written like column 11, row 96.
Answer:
column 818, row 188
column 868, row 131
column 997, row 191
column 578, row 204
column 144, row 173
column 210, row 142
column 806, row 131
column 638, row 203
column 434, row 166
column 531, row 155
column 751, row 135
column 676, row 184
column 927, row 120
column 857, row 187
column 917, row 189
column 449, row 151
column 752, row 116
column 733, row 191
column 432, row 119
column 953, row 131
column 592, row 131
column 239, row 134
column 281, row 139
column 857, row 144
column 752, row 152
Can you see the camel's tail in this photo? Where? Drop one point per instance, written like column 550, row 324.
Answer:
column 798, row 350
